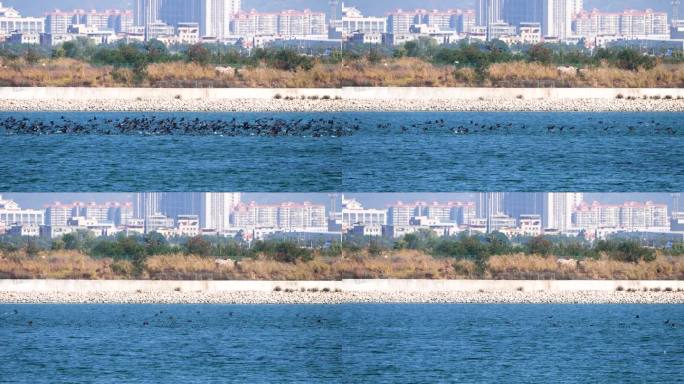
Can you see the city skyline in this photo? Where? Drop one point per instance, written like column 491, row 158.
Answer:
column 371, row 200
column 38, row 7
column 190, row 214
column 232, row 22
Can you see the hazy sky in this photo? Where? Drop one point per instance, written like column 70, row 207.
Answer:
column 38, row 7
column 371, row 200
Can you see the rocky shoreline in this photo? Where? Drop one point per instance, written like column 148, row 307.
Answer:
column 338, row 297
column 173, row 104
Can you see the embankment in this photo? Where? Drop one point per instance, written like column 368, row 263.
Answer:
column 349, row 99
column 343, row 291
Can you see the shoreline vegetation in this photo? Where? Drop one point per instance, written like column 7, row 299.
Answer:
column 415, row 256
column 418, row 64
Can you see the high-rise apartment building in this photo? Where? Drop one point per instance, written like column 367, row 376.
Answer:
column 58, row 214
column 120, row 214
column 467, row 20
column 399, row 22
column 335, row 8
column 301, row 23
column 635, row 24
column 147, row 204
column 254, row 24
column 212, row 208
column 58, row 22
column 400, row 214
column 558, row 209
column 577, row 6
column 293, row 216
column 489, row 11
column 557, row 18
column 215, row 16
column 175, row 12
column 174, row 204
column 516, row 204
column 630, row 216
column 444, row 20
column 216, row 208
column 286, row 216
column 451, row 212
column 489, row 203
column 516, row 12
column 99, row 213
column 630, row 24
column 146, row 11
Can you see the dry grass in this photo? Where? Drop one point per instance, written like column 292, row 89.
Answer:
column 661, row 268
column 394, row 72
column 63, row 265
column 534, row 267
column 523, row 71
column 55, row 73
column 396, row 264
column 522, row 266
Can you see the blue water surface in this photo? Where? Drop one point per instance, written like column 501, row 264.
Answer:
column 342, row 343
column 398, row 152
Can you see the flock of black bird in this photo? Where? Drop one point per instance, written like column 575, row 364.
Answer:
column 303, row 127
column 153, row 126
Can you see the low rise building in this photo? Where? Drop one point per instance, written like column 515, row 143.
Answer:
column 365, row 38
column 24, row 230
column 395, row 232
column 188, row 225
column 52, row 40
column 156, row 222
column 530, row 225
column 11, row 22
column 24, row 38
column 57, row 231
column 530, row 33
column 354, row 22
column 501, row 221
column 12, row 214
column 500, row 30
column 367, row 230
column 187, row 33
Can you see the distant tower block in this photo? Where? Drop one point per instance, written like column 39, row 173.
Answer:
column 675, row 202
column 335, row 13
column 675, row 10
column 335, row 205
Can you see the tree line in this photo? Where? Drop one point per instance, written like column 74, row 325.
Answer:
column 478, row 55
column 475, row 247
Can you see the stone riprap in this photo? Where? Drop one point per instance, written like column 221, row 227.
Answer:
column 341, row 297
column 172, row 104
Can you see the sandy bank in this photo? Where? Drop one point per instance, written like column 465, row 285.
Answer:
column 344, row 291
column 342, row 99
